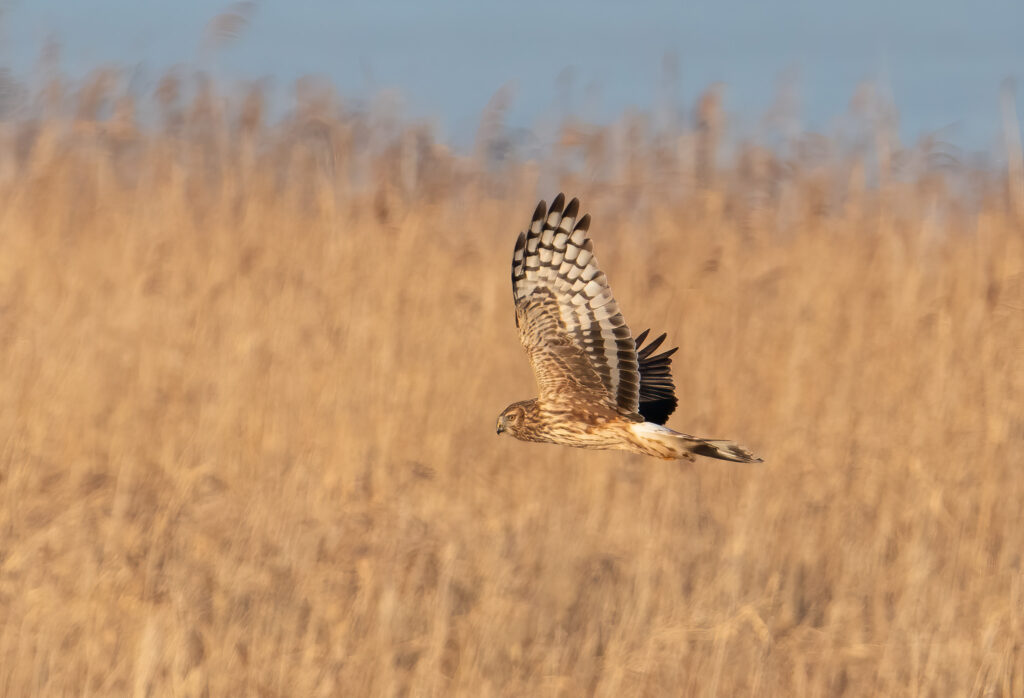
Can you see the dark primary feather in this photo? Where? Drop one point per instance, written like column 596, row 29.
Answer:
column 657, row 391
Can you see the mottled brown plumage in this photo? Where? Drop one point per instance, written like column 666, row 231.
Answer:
column 596, row 389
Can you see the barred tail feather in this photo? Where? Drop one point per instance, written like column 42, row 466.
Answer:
column 660, row 441
column 723, row 450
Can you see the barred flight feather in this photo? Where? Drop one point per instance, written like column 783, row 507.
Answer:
column 553, row 263
column 599, row 388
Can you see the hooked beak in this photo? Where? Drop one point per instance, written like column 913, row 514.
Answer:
column 501, row 426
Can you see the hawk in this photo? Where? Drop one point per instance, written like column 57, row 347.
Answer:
column 599, row 387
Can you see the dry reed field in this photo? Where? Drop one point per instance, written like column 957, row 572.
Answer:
column 250, row 373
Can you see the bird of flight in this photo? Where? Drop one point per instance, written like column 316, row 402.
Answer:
column 598, row 387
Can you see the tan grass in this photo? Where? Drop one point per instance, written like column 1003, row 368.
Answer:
column 249, row 377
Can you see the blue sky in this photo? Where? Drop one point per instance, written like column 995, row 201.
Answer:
column 942, row 61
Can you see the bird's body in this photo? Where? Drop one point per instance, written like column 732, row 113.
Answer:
column 569, row 425
column 598, row 387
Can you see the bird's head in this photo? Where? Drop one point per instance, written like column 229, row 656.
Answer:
column 513, row 418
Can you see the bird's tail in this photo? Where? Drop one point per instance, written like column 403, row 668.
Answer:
column 662, row 442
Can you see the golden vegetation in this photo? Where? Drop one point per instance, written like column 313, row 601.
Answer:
column 250, row 373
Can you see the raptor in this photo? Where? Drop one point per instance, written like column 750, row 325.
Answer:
column 599, row 387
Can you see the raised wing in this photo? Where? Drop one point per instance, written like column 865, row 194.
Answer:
column 568, row 320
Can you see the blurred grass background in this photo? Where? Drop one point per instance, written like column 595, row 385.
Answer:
column 250, row 372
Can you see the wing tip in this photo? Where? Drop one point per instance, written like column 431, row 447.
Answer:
column 572, row 209
column 558, row 204
column 657, row 389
